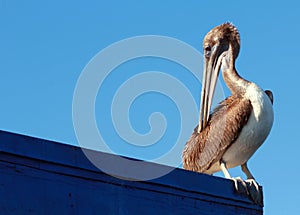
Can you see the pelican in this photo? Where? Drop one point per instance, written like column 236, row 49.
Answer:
column 235, row 129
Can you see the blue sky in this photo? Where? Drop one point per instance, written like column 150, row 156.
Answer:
column 46, row 46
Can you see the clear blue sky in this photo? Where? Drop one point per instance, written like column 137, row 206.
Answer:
column 45, row 46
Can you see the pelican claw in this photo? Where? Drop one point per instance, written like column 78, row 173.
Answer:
column 240, row 185
column 254, row 191
column 250, row 188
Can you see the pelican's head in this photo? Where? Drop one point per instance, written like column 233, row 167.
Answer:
column 222, row 41
column 218, row 40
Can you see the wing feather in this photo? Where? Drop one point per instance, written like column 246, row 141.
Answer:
column 223, row 128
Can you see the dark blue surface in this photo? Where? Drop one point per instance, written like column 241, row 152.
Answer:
column 44, row 177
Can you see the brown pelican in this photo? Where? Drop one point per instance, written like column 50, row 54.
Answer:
column 231, row 134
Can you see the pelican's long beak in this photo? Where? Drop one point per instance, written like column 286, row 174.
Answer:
column 212, row 66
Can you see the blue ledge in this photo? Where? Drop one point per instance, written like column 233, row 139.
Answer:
column 43, row 177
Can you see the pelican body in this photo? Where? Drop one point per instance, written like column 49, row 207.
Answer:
column 230, row 135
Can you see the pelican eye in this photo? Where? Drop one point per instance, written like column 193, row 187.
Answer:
column 207, row 51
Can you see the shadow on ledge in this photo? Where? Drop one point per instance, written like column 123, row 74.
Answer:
column 44, row 177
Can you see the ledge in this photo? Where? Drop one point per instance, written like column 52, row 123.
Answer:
column 39, row 176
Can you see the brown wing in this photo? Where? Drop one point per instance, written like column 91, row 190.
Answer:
column 223, row 128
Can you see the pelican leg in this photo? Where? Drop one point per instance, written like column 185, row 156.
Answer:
column 247, row 171
column 254, row 190
column 239, row 184
column 224, row 169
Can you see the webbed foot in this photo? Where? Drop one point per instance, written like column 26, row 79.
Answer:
column 240, row 185
column 254, row 191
